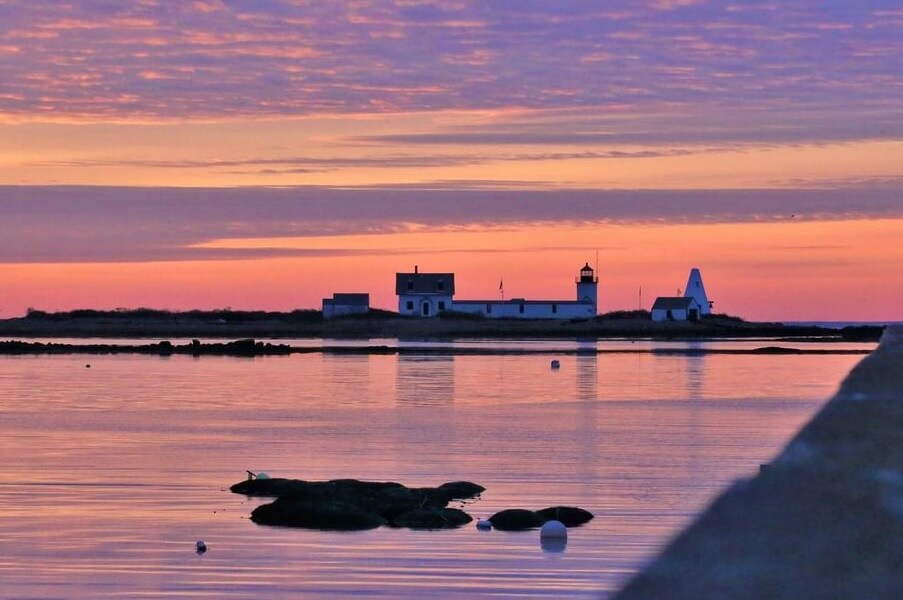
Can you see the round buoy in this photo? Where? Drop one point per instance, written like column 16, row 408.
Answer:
column 262, row 475
column 553, row 537
column 200, row 547
column 556, row 364
column 484, row 525
column 87, row 366
column 554, row 529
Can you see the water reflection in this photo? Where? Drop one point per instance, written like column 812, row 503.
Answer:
column 111, row 474
column 427, row 380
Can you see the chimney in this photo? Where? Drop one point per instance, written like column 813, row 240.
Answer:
column 415, row 269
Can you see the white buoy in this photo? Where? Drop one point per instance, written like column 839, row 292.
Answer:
column 554, row 529
column 484, row 525
column 201, row 547
column 553, row 537
column 262, row 475
column 556, row 364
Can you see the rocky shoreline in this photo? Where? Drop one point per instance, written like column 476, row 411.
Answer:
column 824, row 519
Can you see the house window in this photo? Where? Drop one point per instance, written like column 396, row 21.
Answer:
column 409, row 305
column 554, row 309
column 441, row 305
column 521, row 309
column 440, row 286
column 488, row 309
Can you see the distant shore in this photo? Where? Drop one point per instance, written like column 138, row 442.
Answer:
column 229, row 325
column 250, row 348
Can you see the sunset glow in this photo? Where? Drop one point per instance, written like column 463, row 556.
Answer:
column 265, row 155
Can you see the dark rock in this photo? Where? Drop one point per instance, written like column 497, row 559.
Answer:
column 436, row 518
column 461, row 490
column 328, row 504
column 336, row 516
column 570, row 516
column 515, row 519
column 273, row 487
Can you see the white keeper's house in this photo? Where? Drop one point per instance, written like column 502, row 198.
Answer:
column 428, row 294
column 424, row 294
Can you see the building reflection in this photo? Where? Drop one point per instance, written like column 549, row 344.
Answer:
column 695, row 365
column 587, row 371
column 587, row 391
column 425, row 380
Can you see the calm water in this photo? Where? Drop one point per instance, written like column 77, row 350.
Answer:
column 111, row 473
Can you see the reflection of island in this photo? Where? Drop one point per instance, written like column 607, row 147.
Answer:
column 425, row 380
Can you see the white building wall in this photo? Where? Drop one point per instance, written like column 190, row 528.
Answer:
column 530, row 309
column 337, row 310
column 588, row 292
column 676, row 315
column 413, row 304
column 696, row 289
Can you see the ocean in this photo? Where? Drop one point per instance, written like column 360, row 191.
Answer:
column 114, row 466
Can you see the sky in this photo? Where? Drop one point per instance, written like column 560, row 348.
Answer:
column 265, row 154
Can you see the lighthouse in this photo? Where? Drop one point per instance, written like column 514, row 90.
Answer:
column 587, row 287
column 696, row 290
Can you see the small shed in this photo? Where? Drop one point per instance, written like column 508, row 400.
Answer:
column 346, row 304
column 676, row 308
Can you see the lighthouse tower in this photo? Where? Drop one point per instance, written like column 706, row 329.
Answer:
column 696, row 290
column 587, row 287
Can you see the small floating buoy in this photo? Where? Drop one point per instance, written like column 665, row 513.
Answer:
column 200, row 547
column 87, row 366
column 556, row 364
column 554, row 529
column 553, row 537
column 484, row 525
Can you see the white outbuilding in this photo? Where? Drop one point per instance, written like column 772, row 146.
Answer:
column 675, row 308
column 346, row 304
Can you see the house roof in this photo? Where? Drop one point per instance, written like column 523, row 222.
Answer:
column 674, row 303
column 425, row 283
column 351, row 299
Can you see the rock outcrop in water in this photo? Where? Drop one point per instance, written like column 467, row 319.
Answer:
column 352, row 505
column 519, row 519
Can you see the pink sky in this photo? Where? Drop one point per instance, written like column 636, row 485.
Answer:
column 265, row 155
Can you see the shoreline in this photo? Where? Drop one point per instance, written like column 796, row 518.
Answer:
column 283, row 326
column 824, row 519
column 253, row 348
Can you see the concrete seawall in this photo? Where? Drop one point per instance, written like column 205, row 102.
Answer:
column 823, row 520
